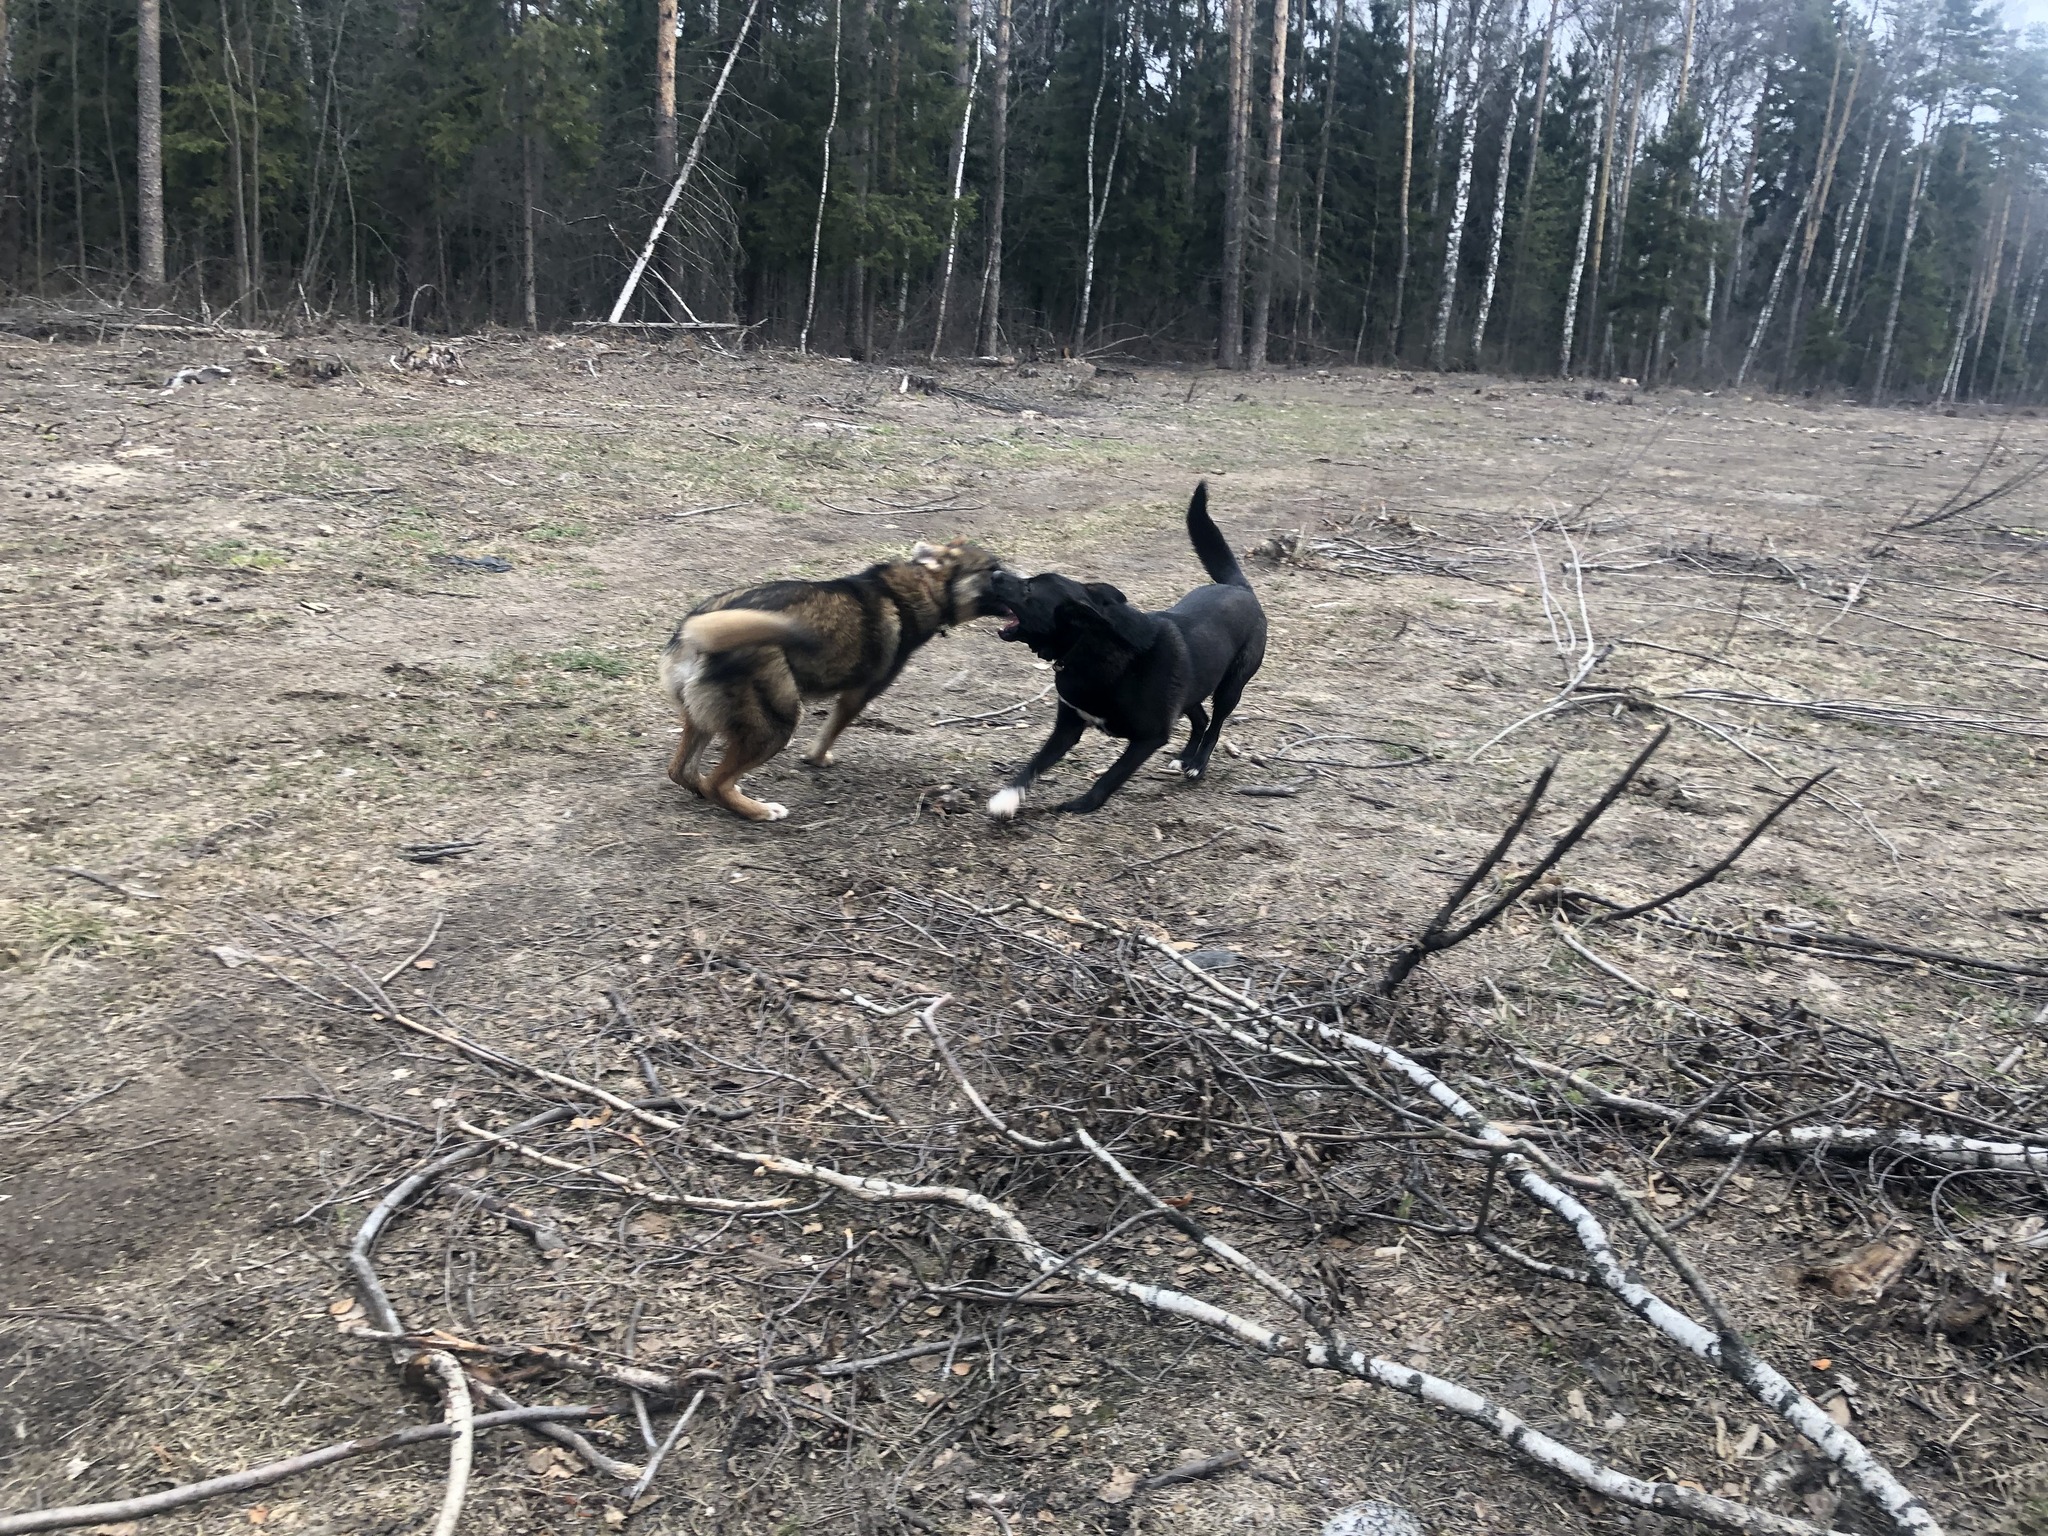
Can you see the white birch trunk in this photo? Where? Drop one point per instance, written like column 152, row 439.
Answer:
column 1571, row 297
column 803, row 340
column 991, row 327
column 2019, row 263
column 1276, row 122
column 959, row 182
column 1763, row 319
column 675, row 193
column 1500, row 192
column 149, row 101
column 1099, row 206
column 1891, row 319
column 1461, row 197
column 1859, row 212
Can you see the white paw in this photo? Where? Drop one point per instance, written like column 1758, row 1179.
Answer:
column 1004, row 802
column 819, row 759
column 775, row 812
column 1174, row 766
column 1194, row 773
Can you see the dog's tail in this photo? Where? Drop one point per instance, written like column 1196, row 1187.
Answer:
column 726, row 629
column 1211, row 548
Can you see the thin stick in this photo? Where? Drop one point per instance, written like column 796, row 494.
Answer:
column 119, row 1510
column 1715, row 870
column 425, row 944
column 654, row 1462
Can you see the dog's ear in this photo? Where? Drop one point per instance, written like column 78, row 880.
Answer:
column 1115, row 613
column 927, row 555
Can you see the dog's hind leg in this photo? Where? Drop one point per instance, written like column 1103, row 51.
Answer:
column 1195, row 762
column 1112, row 780
column 752, row 736
column 684, row 768
column 1198, row 723
column 845, row 710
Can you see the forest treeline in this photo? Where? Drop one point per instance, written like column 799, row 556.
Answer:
column 1781, row 193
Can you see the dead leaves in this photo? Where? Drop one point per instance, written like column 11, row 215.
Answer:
column 1866, row 1274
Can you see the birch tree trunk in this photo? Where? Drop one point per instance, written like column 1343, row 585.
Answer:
column 1315, row 259
column 1407, row 194
column 1858, row 211
column 999, row 107
column 1891, row 319
column 1461, row 196
column 803, row 340
column 1099, row 205
column 529, row 193
column 1692, row 11
column 239, row 193
column 1571, row 297
column 149, row 145
column 1529, row 178
column 2027, row 327
column 1269, row 223
column 2019, row 263
column 675, row 191
column 1230, row 351
column 973, row 79
column 1763, row 318
column 1500, row 189
column 1610, row 115
column 665, row 88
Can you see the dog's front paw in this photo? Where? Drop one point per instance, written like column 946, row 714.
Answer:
column 1195, row 772
column 821, row 758
column 774, row 812
column 1004, row 803
column 1174, row 766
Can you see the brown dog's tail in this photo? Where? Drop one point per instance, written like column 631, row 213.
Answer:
column 726, row 629
column 730, row 628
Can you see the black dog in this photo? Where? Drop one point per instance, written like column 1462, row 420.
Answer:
column 1134, row 674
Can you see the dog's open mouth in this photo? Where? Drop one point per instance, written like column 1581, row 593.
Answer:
column 1013, row 623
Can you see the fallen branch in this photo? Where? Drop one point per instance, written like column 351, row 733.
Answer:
column 119, row 1510
column 462, row 1420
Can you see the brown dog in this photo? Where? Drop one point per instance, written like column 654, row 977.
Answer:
column 739, row 668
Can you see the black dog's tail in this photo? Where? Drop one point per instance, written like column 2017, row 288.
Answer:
column 1211, row 548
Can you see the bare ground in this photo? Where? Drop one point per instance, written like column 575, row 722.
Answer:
column 246, row 669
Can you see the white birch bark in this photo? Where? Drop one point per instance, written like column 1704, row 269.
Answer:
column 1891, row 319
column 1859, row 212
column 149, row 101
column 1571, row 297
column 803, row 340
column 1098, row 206
column 1461, row 197
column 959, row 181
column 1763, row 319
column 1500, row 189
column 675, row 193
column 1276, row 122
column 988, row 344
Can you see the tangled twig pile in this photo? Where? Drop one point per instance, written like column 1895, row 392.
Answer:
column 1098, row 1092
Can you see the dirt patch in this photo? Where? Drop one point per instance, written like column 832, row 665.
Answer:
column 262, row 638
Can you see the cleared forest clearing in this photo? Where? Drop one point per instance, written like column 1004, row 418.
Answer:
column 335, row 809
